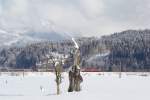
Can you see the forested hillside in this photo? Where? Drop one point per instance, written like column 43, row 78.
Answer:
column 129, row 50
column 124, row 51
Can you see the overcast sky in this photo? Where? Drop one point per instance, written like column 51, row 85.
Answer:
column 85, row 17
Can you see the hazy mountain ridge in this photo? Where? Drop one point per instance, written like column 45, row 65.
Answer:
column 21, row 39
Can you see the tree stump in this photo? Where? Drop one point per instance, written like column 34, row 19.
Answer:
column 74, row 79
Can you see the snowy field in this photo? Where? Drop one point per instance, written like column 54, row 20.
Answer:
column 95, row 86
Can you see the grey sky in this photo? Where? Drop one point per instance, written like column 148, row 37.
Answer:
column 85, row 17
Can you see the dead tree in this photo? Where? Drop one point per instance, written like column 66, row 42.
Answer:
column 58, row 70
column 75, row 77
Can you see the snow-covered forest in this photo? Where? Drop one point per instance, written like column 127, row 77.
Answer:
column 123, row 51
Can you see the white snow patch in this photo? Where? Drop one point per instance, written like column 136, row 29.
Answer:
column 96, row 86
column 75, row 43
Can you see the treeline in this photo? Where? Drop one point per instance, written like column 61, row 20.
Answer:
column 30, row 55
column 39, row 54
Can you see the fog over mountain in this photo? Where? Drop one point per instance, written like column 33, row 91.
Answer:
column 21, row 39
column 53, row 19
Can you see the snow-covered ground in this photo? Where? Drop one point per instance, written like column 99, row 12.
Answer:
column 96, row 86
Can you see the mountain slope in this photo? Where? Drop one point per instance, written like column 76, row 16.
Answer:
column 20, row 39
